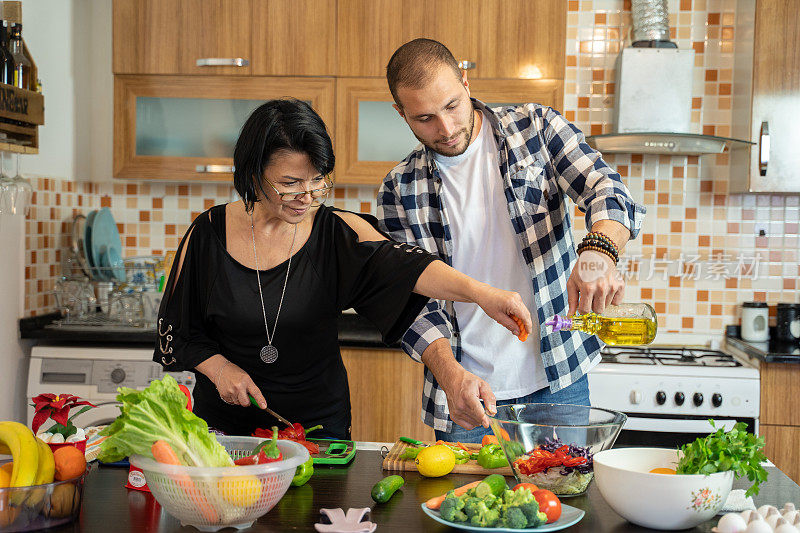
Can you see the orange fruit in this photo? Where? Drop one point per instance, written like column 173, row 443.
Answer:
column 5, row 477
column 8, row 467
column 70, row 463
column 663, row 471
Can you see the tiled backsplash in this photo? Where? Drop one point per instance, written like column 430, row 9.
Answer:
column 694, row 260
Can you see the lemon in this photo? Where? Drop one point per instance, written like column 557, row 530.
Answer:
column 436, row 461
column 241, row 491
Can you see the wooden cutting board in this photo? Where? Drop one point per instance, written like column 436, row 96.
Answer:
column 393, row 462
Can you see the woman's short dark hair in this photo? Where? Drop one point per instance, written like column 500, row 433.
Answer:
column 285, row 124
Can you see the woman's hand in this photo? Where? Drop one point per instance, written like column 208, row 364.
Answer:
column 233, row 383
column 502, row 306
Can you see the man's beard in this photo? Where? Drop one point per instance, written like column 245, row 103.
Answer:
column 455, row 150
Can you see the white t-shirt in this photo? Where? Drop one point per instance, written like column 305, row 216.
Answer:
column 486, row 248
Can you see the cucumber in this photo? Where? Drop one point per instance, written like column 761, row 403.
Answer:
column 496, row 483
column 385, row 488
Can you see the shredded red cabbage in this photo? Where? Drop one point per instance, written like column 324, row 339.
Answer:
column 551, row 445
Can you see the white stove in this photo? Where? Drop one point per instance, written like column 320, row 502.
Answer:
column 669, row 393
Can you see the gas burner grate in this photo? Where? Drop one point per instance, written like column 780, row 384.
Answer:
column 667, row 356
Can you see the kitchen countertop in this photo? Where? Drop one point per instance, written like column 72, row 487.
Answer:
column 106, row 502
column 354, row 331
column 772, row 351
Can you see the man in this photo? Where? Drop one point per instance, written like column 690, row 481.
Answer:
column 486, row 192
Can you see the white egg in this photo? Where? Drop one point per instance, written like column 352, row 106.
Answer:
column 788, row 506
column 74, row 438
column 772, row 517
column 58, row 438
column 758, row 526
column 731, row 523
column 45, row 437
column 747, row 513
column 796, row 522
column 789, row 516
column 782, row 526
column 81, row 434
column 764, row 510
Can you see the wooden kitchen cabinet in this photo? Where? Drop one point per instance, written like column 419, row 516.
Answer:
column 503, row 38
column 371, row 137
column 184, row 128
column 242, row 37
column 385, row 395
column 782, row 448
column 767, row 113
column 158, row 37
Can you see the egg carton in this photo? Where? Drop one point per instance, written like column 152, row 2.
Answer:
column 765, row 519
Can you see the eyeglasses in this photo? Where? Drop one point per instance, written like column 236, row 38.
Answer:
column 316, row 194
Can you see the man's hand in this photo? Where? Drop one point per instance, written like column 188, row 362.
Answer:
column 463, row 389
column 594, row 284
column 464, row 392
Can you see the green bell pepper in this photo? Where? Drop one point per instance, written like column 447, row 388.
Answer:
column 303, row 473
column 410, row 453
column 492, row 456
column 462, row 456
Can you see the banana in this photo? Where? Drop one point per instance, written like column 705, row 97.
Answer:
column 24, row 450
column 44, row 474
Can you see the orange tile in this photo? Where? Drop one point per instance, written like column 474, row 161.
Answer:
column 105, row 201
column 130, row 188
column 570, row 115
column 596, row 129
column 704, row 240
column 691, row 213
column 583, row 102
column 706, row 186
column 686, row 5
column 144, row 216
column 130, row 241
column 702, row 295
column 636, row 158
column 674, row 281
column 647, row 239
column 646, row 293
column 716, row 309
column 733, row 227
column 365, row 207
column 649, row 185
column 183, row 190
column 713, row 19
column 663, row 198
column 660, row 308
column 158, row 203
column 789, row 283
column 731, row 283
column 622, row 170
column 677, row 172
column 711, row 74
column 727, row 33
column 676, row 226
column 687, row 322
column 598, row 74
column 572, row 61
column 725, row 89
column 169, row 229
column 573, row 5
column 599, row 18
column 208, row 203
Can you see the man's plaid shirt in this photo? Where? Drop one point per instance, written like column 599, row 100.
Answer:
column 543, row 158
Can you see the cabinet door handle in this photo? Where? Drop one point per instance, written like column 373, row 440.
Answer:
column 222, row 62
column 214, row 169
column 466, row 65
column 763, row 149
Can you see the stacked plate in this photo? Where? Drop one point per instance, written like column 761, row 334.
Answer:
column 102, row 246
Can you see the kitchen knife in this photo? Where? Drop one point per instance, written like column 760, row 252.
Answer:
column 270, row 411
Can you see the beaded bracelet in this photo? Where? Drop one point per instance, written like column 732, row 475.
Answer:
column 608, row 248
column 603, row 237
column 596, row 249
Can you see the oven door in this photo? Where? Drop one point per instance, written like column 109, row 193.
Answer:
column 659, row 431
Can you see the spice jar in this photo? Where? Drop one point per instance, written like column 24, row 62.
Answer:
column 755, row 321
column 787, row 322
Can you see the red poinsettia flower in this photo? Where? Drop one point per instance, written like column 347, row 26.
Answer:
column 55, row 407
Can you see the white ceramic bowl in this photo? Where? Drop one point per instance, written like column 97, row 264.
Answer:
column 658, row 501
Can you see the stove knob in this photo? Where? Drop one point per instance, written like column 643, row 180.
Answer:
column 679, row 398
column 636, row 397
column 716, row 399
column 117, row 375
column 698, row 399
column 661, row 397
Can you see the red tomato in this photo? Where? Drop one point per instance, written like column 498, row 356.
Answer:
column 549, row 504
column 530, row 486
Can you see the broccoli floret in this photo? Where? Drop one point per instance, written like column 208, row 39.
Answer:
column 485, row 517
column 451, row 509
column 514, row 518
column 519, row 497
column 471, row 506
column 531, row 512
column 542, row 518
column 491, row 501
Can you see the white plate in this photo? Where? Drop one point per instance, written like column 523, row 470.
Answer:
column 569, row 516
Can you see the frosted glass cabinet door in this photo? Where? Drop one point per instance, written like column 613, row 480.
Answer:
column 184, row 128
column 189, row 127
column 383, row 135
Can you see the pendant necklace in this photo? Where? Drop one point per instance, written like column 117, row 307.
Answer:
column 269, row 354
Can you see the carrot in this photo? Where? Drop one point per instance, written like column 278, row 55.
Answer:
column 523, row 332
column 435, row 503
column 489, row 439
column 163, row 453
column 462, row 446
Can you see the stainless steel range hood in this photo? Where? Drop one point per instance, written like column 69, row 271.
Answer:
column 654, row 79
column 663, row 143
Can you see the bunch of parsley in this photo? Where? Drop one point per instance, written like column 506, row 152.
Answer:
column 735, row 450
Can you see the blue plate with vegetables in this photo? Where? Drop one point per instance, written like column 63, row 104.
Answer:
column 489, row 505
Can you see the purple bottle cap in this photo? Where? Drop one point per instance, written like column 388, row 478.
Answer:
column 559, row 322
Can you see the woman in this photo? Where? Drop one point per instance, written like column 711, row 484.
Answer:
column 251, row 305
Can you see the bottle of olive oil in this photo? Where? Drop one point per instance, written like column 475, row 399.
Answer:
column 625, row 324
